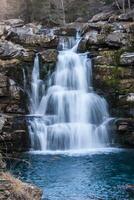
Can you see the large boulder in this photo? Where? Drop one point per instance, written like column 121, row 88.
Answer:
column 95, row 39
column 9, row 50
column 33, row 40
column 117, row 39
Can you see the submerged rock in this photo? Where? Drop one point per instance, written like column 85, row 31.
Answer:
column 130, row 189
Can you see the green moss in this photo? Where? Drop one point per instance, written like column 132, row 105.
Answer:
column 113, row 80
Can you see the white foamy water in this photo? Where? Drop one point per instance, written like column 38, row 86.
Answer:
column 69, row 115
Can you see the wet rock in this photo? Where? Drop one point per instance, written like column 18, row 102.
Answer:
column 127, row 59
column 49, row 56
column 12, row 188
column 125, row 125
column 103, row 16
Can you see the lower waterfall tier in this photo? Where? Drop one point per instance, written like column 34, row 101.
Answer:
column 64, row 136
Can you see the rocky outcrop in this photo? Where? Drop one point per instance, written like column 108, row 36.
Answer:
column 18, row 46
column 33, row 40
column 14, row 189
column 110, row 42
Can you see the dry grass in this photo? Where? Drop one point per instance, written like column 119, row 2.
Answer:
column 14, row 189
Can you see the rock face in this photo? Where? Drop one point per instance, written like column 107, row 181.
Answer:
column 111, row 43
column 12, row 188
column 18, row 46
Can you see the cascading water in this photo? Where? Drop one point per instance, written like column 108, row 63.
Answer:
column 69, row 115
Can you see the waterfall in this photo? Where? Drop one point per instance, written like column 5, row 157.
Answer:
column 69, row 115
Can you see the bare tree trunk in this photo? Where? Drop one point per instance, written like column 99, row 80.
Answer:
column 129, row 4
column 118, row 5
column 123, row 6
